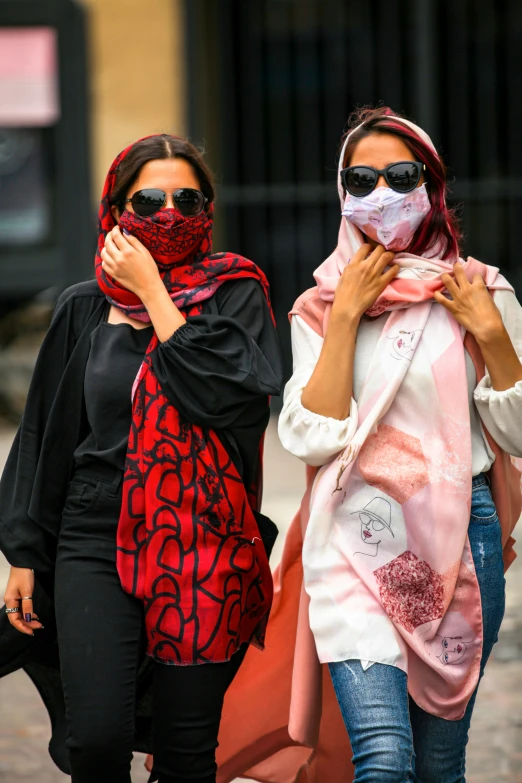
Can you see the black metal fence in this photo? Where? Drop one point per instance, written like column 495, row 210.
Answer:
column 270, row 86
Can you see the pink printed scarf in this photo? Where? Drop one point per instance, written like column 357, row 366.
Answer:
column 386, row 548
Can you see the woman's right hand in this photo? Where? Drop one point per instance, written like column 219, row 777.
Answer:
column 19, row 594
column 362, row 281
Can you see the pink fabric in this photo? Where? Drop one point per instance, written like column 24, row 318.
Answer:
column 504, row 474
column 388, row 217
column 371, row 499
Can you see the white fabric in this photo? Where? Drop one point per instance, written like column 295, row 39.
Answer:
column 316, row 439
column 388, row 217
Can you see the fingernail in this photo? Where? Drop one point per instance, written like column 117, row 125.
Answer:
column 127, row 233
column 27, row 617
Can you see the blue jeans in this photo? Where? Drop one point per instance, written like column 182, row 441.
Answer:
column 393, row 740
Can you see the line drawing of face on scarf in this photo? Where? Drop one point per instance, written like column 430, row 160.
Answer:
column 404, row 343
column 450, row 647
column 453, row 649
column 369, row 525
column 375, row 519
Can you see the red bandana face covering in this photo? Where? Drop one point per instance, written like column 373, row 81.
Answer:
column 168, row 235
column 188, row 544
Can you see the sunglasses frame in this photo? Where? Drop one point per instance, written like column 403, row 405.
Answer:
column 166, row 195
column 382, row 172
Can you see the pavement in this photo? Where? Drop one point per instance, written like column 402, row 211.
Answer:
column 495, row 747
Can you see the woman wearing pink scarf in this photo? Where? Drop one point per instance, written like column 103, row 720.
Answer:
column 406, row 398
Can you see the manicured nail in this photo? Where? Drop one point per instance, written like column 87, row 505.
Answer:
column 27, row 617
column 127, row 233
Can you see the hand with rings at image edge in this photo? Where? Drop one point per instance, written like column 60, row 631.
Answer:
column 363, row 281
column 129, row 262
column 471, row 304
column 19, row 601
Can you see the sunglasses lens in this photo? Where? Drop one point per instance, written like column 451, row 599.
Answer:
column 148, row 201
column 403, row 176
column 359, row 180
column 189, row 202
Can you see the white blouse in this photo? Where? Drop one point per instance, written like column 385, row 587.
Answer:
column 316, row 439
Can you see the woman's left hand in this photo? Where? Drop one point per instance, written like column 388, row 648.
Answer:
column 129, row 262
column 472, row 304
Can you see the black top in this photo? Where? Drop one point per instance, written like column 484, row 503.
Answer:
column 116, row 354
column 218, row 370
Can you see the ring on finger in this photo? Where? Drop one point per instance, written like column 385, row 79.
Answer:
column 12, row 610
column 27, row 598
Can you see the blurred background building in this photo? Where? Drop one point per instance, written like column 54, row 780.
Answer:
column 266, row 86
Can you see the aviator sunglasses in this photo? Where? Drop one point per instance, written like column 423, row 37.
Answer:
column 188, row 201
column 402, row 176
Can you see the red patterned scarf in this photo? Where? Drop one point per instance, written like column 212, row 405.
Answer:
column 188, row 544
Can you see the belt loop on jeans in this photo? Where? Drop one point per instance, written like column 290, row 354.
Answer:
column 480, row 480
column 115, row 485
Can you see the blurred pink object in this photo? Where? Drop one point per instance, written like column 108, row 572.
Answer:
column 28, row 77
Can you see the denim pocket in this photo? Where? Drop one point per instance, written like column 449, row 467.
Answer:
column 81, row 496
column 483, row 509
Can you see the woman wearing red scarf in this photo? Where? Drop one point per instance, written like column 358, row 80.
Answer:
column 133, row 487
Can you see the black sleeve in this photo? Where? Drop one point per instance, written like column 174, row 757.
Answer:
column 22, row 540
column 217, row 364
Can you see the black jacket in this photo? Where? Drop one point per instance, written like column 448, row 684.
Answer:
column 218, row 370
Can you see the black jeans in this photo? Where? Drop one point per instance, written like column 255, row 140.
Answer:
column 101, row 638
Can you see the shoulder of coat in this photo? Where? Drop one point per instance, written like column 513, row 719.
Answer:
column 311, row 308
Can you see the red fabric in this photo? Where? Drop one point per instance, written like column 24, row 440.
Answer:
column 188, row 544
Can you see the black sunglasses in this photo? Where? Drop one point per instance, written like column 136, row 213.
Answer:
column 402, row 177
column 188, row 201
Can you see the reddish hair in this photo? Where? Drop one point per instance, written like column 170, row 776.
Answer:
column 440, row 228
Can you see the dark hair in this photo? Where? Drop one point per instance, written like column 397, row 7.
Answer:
column 440, row 229
column 160, row 147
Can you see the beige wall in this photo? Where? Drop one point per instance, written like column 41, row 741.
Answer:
column 136, row 75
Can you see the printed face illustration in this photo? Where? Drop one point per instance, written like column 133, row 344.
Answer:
column 403, row 346
column 375, row 521
column 385, row 235
column 370, row 527
column 453, row 649
column 406, row 207
column 454, row 645
column 373, row 530
column 375, row 219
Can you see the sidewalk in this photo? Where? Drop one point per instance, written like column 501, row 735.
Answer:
column 495, row 749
